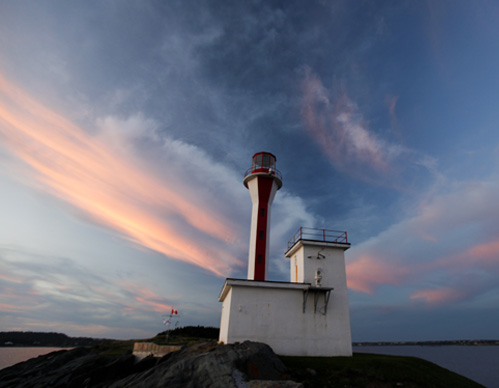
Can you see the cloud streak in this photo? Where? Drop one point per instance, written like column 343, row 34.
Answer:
column 146, row 298
column 366, row 273
column 340, row 130
column 112, row 189
column 39, row 294
column 337, row 125
column 446, row 252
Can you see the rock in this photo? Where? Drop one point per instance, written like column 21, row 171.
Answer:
column 69, row 368
column 311, row 371
column 199, row 366
column 221, row 366
column 274, row 384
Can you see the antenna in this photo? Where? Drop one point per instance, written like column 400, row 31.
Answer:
column 168, row 320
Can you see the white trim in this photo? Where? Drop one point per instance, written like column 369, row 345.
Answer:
column 258, row 284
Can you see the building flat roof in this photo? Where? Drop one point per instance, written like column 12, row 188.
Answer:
column 231, row 282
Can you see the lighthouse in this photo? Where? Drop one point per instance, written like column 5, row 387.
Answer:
column 263, row 180
column 307, row 316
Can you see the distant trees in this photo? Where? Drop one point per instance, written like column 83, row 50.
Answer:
column 29, row 338
column 59, row 340
column 194, row 331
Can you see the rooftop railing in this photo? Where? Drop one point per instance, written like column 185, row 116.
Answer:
column 322, row 235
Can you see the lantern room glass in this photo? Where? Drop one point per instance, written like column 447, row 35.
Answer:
column 263, row 160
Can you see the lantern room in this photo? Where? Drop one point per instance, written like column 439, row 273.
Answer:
column 264, row 163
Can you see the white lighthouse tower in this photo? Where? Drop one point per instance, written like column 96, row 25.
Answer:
column 307, row 316
column 263, row 180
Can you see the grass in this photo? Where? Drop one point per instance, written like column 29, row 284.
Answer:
column 372, row 371
column 113, row 348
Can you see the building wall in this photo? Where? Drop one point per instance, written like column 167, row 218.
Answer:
column 275, row 316
column 304, row 262
column 225, row 318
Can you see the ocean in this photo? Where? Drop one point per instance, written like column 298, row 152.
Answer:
column 10, row 356
column 478, row 363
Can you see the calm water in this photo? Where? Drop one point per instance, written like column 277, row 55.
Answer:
column 10, row 356
column 479, row 363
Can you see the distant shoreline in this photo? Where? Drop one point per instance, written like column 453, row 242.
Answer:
column 29, row 339
column 19, row 339
column 430, row 343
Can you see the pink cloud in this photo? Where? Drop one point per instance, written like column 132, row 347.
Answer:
column 10, row 278
column 17, row 301
column 148, row 298
column 7, row 308
column 439, row 296
column 480, row 256
column 339, row 129
column 487, row 253
column 112, row 188
column 366, row 273
column 446, row 250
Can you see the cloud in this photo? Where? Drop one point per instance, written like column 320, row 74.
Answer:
column 147, row 299
column 121, row 133
column 486, row 254
column 289, row 212
column 365, row 273
column 392, row 103
column 112, row 187
column 446, row 251
column 9, row 308
column 152, row 189
column 340, row 130
column 338, row 126
column 56, row 293
column 439, row 296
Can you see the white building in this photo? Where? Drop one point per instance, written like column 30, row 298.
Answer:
column 307, row 316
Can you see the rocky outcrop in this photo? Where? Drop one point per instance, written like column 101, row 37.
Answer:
column 248, row 364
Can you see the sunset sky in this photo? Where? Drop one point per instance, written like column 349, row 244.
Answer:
column 126, row 128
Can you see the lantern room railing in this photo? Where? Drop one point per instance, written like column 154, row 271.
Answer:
column 265, row 170
column 323, row 235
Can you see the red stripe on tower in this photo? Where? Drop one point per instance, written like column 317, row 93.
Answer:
column 263, row 180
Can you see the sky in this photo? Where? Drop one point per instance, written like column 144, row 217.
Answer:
column 126, row 128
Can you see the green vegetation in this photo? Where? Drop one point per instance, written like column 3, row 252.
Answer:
column 372, row 371
column 113, row 348
column 188, row 335
column 194, row 331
